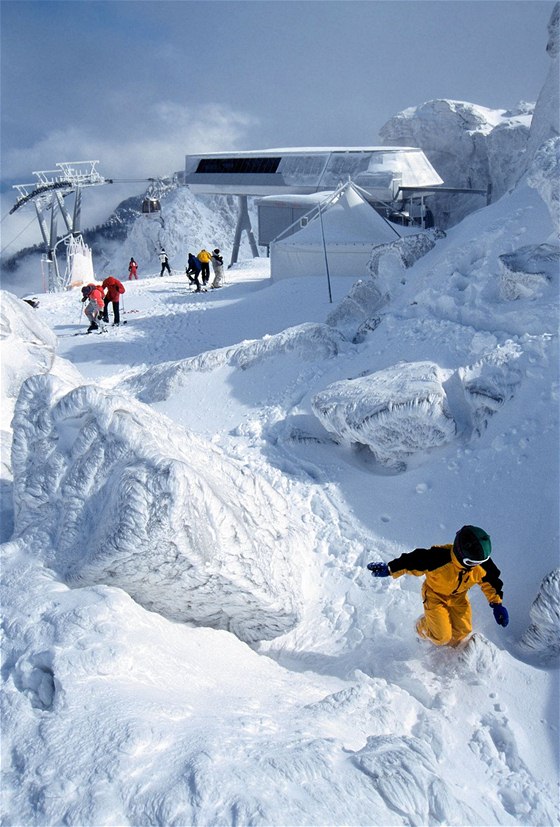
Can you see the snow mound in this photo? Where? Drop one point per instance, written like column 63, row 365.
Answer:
column 415, row 407
column 308, row 342
column 115, row 494
column 543, row 635
column 28, row 345
column 404, row 772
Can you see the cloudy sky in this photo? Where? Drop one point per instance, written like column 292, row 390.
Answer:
column 137, row 84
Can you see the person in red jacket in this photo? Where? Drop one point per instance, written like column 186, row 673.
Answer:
column 132, row 270
column 114, row 290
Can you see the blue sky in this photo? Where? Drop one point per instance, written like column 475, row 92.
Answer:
column 139, row 84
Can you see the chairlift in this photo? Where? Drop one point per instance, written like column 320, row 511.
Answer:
column 151, row 208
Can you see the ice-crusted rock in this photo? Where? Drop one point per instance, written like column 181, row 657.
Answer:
column 358, row 313
column 469, row 145
column 396, row 412
column 358, row 308
column 529, row 271
column 28, row 345
column 545, row 123
column 412, row 408
column 543, row 635
column 544, row 176
column 110, row 492
column 408, row 249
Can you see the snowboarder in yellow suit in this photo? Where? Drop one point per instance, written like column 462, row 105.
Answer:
column 450, row 571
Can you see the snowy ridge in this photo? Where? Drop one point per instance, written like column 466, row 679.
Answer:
column 184, row 531
column 307, row 342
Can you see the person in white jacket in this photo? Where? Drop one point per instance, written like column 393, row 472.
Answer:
column 164, row 263
column 218, row 268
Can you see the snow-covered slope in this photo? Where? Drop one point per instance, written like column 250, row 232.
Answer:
column 115, row 712
column 190, row 633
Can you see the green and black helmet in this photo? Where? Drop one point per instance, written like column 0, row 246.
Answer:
column 472, row 546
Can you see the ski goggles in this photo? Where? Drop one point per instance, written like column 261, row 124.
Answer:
column 464, row 559
column 470, row 563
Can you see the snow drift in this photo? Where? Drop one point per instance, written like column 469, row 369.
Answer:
column 114, row 494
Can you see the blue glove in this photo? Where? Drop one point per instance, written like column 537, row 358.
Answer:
column 501, row 615
column 379, row 569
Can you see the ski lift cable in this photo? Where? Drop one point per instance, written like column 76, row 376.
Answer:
column 9, row 244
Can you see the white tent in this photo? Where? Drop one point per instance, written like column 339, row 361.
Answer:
column 340, row 234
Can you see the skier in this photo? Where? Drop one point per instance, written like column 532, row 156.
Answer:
column 93, row 295
column 192, row 270
column 114, row 290
column 218, row 268
column 164, row 263
column 205, row 257
column 450, row 571
column 132, row 270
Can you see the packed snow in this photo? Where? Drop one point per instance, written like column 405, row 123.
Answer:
column 189, row 502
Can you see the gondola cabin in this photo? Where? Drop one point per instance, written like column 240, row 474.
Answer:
column 151, row 208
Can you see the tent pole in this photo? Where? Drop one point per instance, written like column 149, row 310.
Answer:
column 325, row 252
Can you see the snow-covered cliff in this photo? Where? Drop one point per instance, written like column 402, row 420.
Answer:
column 469, row 145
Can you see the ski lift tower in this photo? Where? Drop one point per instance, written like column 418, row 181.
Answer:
column 47, row 193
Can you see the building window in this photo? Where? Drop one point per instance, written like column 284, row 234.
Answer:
column 220, row 166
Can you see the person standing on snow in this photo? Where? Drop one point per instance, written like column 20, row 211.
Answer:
column 114, row 290
column 164, row 263
column 193, row 271
column 132, row 270
column 93, row 295
column 218, row 268
column 205, row 257
column 450, row 571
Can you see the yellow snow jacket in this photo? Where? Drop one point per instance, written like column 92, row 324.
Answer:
column 204, row 256
column 444, row 574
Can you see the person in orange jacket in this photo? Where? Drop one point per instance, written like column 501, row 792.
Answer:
column 450, row 571
column 205, row 258
column 93, row 295
column 114, row 289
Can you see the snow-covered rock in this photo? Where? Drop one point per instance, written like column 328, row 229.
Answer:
column 544, row 176
column 469, row 145
column 545, row 124
column 543, row 635
column 530, row 271
column 112, row 493
column 414, row 407
column 28, row 347
column 358, row 312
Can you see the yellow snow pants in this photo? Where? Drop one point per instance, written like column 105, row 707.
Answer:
column 447, row 619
